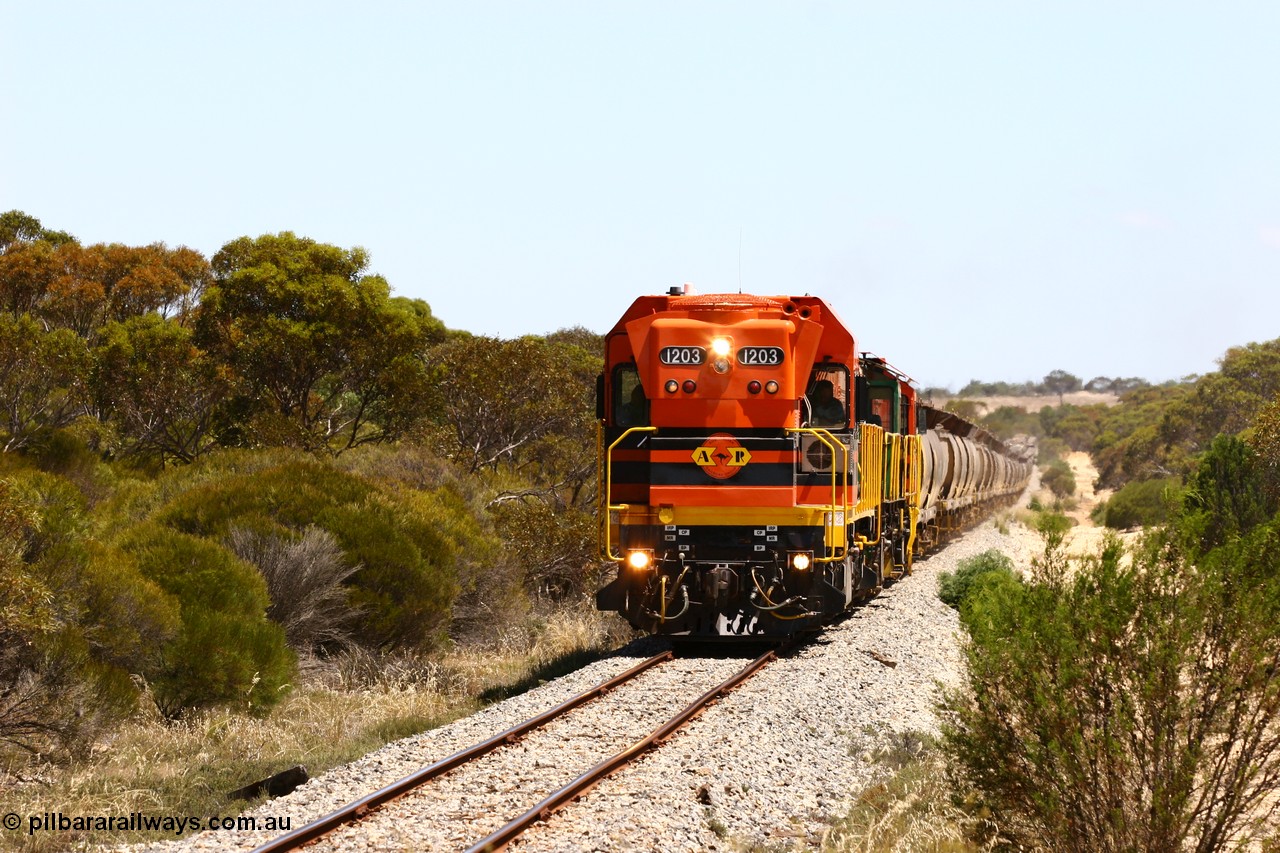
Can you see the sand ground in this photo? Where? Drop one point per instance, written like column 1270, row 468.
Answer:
column 1036, row 403
column 1085, row 537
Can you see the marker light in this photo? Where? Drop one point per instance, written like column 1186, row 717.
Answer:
column 690, row 386
column 639, row 559
column 754, row 386
column 800, row 562
column 771, row 386
column 672, row 386
column 720, row 346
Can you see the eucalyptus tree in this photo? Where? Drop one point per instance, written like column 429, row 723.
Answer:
column 323, row 356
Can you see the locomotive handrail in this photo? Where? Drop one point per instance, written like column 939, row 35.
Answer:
column 829, row 522
column 871, row 455
column 605, row 532
column 897, row 488
column 913, row 470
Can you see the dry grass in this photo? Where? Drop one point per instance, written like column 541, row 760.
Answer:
column 909, row 810
column 341, row 709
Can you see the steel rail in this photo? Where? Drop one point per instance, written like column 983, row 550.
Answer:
column 358, row 809
column 579, row 786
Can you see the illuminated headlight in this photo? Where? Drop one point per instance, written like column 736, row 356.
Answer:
column 721, row 346
column 639, row 559
column 801, row 562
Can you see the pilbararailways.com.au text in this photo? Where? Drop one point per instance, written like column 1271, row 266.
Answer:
column 139, row 822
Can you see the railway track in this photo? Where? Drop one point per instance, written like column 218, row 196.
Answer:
column 469, row 804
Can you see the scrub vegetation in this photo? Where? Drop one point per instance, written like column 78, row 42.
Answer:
column 257, row 500
column 257, row 511
column 1129, row 699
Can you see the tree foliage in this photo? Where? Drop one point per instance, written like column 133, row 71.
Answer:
column 43, row 378
column 1061, row 382
column 500, row 399
column 325, row 356
column 1137, row 439
column 1264, row 437
column 1226, row 495
column 163, row 391
column 81, row 288
column 1008, row 421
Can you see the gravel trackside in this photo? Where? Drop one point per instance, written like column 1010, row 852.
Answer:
column 774, row 763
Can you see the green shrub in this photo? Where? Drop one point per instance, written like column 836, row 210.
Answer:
column 1128, row 705
column 1052, row 525
column 76, row 619
column 406, row 555
column 1050, row 448
column 1139, row 504
column 1008, row 421
column 225, row 651
column 406, row 583
column 955, row 588
column 1059, row 479
column 491, row 593
column 1226, row 495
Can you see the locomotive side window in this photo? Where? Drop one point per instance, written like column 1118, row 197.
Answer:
column 882, row 408
column 826, row 402
column 630, row 405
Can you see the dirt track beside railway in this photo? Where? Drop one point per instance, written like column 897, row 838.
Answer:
column 1033, row 403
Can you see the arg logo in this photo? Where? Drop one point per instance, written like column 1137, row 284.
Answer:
column 721, row 456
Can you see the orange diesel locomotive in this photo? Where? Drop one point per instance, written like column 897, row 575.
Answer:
column 759, row 476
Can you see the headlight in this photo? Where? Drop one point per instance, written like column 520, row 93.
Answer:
column 721, row 346
column 801, row 562
column 639, row 559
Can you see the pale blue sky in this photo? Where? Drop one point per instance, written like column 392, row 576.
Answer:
column 982, row 189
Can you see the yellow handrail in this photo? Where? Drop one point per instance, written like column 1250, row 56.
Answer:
column 839, row 464
column 604, row 533
column 914, row 473
column 871, row 460
column 893, row 467
column 870, row 467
